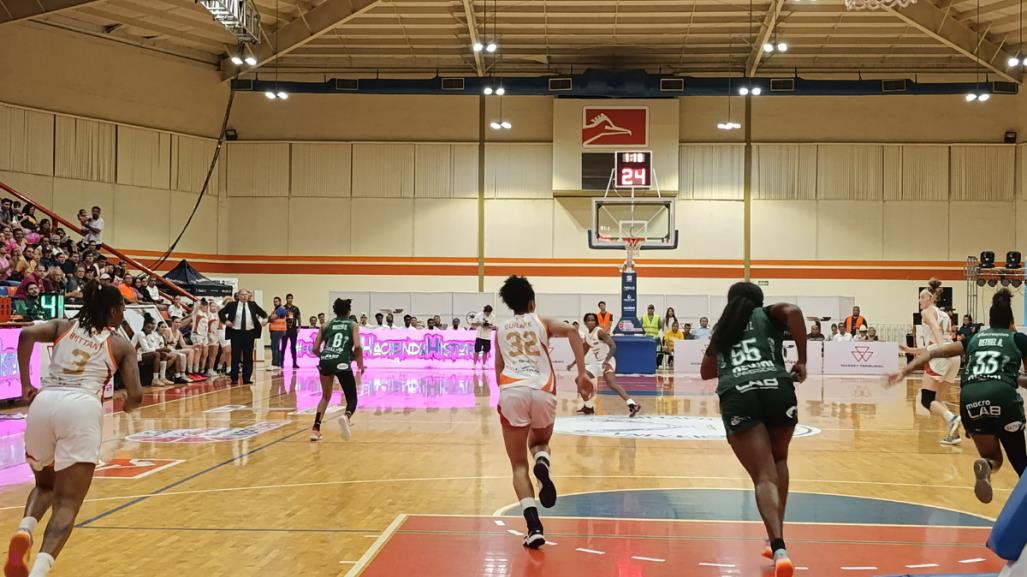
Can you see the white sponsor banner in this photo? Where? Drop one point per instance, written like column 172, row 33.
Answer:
column 688, row 356
column 560, row 352
column 860, row 358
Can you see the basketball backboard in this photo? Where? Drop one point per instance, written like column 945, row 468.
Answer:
column 617, row 219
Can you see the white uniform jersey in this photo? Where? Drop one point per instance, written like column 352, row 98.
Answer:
column 524, row 344
column 81, row 360
column 200, row 326
column 597, row 349
column 944, row 323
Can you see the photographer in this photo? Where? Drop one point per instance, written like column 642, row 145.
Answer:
column 484, row 323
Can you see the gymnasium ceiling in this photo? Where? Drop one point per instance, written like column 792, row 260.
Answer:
column 537, row 37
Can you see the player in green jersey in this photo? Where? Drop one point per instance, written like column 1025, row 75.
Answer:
column 757, row 398
column 991, row 408
column 337, row 345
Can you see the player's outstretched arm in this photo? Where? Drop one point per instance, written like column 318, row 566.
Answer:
column 28, row 337
column 358, row 349
column 125, row 355
column 944, row 351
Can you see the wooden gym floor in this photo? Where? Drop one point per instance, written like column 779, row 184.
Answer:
column 221, row 481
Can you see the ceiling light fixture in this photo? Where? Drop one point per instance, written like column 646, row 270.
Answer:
column 977, row 94
column 270, row 95
column 250, row 60
column 237, row 61
column 744, row 91
column 488, row 91
column 782, row 47
column 495, row 125
column 283, row 95
column 500, row 91
column 478, row 47
column 768, row 47
column 491, row 47
column 506, row 124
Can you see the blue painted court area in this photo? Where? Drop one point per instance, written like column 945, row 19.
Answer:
column 740, row 505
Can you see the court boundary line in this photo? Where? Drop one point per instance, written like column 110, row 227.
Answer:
column 499, row 512
column 186, row 479
column 372, row 552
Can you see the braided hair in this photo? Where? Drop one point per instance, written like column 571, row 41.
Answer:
column 98, row 304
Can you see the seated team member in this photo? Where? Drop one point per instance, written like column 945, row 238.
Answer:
column 673, row 334
column 990, row 408
column 814, row 332
column 601, row 363
column 527, row 396
column 703, row 331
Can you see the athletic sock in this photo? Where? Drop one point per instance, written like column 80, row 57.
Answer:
column 163, row 368
column 528, row 503
column 28, row 524
column 531, row 515
column 777, row 545
column 156, row 377
column 317, row 421
column 949, row 415
column 631, row 402
column 589, row 404
column 542, row 456
column 44, row 562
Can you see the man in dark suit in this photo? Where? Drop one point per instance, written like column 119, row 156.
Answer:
column 243, row 320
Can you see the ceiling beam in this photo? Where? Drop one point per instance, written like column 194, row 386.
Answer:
column 472, row 30
column 928, row 18
column 766, row 31
column 14, row 10
column 303, row 29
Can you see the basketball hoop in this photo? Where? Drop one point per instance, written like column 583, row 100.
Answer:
column 632, row 244
column 877, row 4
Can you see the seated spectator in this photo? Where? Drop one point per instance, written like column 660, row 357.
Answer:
column 5, row 264
column 126, row 290
column 814, row 332
column 6, row 211
column 177, row 308
column 834, row 331
column 431, row 323
column 320, row 319
column 438, row 321
column 967, row 329
column 313, row 323
column 28, row 308
column 687, row 330
column 843, row 336
column 456, row 323
column 363, row 320
column 64, row 263
column 35, row 277
column 872, row 334
column 45, row 228
column 704, row 331
column 669, row 336
column 862, row 335
column 389, row 322
column 407, row 321
column 28, row 218
column 54, row 282
column 73, row 284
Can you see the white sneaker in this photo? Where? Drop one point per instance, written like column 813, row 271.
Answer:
column 344, row 428
column 954, row 427
column 950, row 441
column 211, row 373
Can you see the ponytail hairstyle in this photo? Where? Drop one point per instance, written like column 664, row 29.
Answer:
column 742, row 299
column 341, row 307
column 1000, row 316
column 98, row 305
column 933, row 289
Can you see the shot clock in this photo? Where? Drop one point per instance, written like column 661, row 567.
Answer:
column 634, row 169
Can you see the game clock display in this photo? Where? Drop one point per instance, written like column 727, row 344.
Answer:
column 634, row 169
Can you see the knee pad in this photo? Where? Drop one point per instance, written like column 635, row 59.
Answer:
column 927, row 397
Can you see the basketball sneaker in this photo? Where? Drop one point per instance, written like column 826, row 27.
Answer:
column 344, row 428
column 315, row 434
column 587, row 410
column 546, row 488
column 768, row 552
column 534, row 539
column 18, row 555
column 952, row 437
column 633, row 409
column 982, row 488
column 783, row 566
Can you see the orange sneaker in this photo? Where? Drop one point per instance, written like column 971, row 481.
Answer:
column 767, row 552
column 18, row 555
column 783, row 566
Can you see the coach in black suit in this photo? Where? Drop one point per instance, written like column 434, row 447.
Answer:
column 243, row 320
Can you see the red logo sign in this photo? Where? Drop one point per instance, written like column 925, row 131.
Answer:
column 615, row 126
column 132, row 468
column 862, row 353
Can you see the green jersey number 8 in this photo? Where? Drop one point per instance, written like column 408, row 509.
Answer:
column 745, row 351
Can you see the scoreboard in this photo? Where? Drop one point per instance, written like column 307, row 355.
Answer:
column 633, row 169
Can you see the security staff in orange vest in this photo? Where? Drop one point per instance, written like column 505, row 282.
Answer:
column 854, row 321
column 277, row 329
column 605, row 318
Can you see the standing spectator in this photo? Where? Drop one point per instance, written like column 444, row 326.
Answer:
column 703, row 332
column 408, row 321
column 485, row 323
column 605, row 318
column 651, row 324
column 320, row 320
column 669, row 318
column 92, row 228
column 853, row 322
column 379, row 320
column 292, row 327
column 363, row 320
column 814, row 332
column 312, row 325
column 277, row 327
column 242, row 320
column 966, row 330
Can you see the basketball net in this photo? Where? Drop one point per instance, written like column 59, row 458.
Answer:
column 632, row 245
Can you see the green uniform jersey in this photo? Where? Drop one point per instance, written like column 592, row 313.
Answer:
column 989, row 402
column 753, row 384
column 337, row 348
column 758, row 356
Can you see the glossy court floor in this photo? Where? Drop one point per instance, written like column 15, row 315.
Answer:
column 222, row 481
